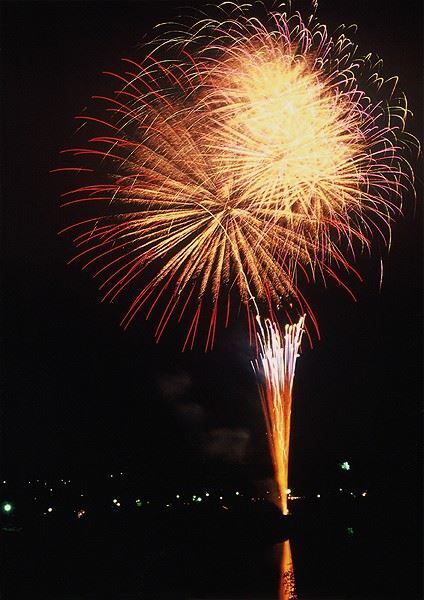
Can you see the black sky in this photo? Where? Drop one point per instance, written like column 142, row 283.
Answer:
column 80, row 395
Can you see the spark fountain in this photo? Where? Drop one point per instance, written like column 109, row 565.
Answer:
column 275, row 368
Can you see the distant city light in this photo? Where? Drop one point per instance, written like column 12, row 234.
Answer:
column 7, row 507
column 345, row 466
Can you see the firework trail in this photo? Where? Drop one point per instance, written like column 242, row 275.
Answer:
column 275, row 369
column 237, row 162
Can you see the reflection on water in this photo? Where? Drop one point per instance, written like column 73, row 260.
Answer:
column 237, row 554
column 287, row 586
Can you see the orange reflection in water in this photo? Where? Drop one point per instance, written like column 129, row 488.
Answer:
column 287, row 587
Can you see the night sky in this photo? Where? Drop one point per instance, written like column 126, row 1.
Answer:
column 81, row 396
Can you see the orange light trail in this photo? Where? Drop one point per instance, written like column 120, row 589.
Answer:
column 275, row 368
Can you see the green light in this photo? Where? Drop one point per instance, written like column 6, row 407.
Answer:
column 345, row 466
column 350, row 530
column 7, row 507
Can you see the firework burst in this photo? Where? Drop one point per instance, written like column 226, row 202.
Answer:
column 298, row 133
column 239, row 158
column 180, row 226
